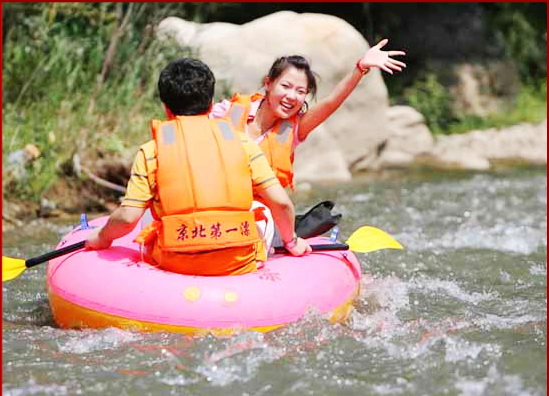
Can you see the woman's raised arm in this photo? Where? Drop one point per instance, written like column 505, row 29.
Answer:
column 374, row 57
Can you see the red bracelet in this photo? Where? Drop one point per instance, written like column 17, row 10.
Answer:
column 363, row 70
column 291, row 244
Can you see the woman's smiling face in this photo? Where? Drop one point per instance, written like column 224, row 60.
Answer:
column 287, row 93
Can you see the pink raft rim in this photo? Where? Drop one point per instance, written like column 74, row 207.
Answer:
column 113, row 287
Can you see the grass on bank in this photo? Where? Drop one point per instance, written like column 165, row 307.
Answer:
column 64, row 110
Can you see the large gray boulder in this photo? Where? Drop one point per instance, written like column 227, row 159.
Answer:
column 240, row 56
column 409, row 137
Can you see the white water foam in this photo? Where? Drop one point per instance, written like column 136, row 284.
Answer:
column 508, row 238
column 428, row 285
column 362, row 197
column 32, row 388
column 490, row 321
column 377, row 307
column 496, row 382
column 462, row 350
column 538, row 269
column 239, row 360
column 97, row 340
column 480, row 213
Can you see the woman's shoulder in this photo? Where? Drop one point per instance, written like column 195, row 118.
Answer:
column 221, row 108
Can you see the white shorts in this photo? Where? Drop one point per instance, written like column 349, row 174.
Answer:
column 265, row 227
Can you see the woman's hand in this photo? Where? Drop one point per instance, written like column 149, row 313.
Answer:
column 375, row 57
column 301, row 248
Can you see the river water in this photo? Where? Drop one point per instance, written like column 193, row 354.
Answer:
column 461, row 311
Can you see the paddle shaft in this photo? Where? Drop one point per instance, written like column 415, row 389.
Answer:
column 71, row 248
column 56, row 253
column 279, row 249
column 317, row 248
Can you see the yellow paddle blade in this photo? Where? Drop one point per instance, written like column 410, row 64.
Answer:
column 12, row 268
column 368, row 239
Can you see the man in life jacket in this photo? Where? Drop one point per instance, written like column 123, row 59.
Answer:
column 199, row 178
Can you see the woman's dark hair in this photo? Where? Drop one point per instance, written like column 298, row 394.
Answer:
column 186, row 86
column 300, row 63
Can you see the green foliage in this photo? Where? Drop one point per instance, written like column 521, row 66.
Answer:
column 530, row 107
column 523, row 28
column 428, row 96
column 64, row 94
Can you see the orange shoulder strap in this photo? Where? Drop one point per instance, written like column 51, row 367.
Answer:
column 240, row 109
column 278, row 148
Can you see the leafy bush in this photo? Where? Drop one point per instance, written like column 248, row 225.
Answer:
column 523, row 29
column 62, row 92
column 530, row 107
column 428, row 96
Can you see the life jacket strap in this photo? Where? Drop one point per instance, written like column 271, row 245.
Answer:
column 147, row 234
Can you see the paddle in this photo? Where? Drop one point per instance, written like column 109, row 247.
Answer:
column 364, row 240
column 13, row 267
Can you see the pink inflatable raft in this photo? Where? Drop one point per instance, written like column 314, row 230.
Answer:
column 114, row 288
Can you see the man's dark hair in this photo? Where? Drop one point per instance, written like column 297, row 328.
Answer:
column 186, row 87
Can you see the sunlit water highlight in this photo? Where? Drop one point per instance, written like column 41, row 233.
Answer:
column 460, row 311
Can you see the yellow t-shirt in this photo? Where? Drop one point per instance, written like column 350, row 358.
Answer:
column 141, row 192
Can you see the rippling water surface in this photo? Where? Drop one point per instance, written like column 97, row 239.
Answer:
column 461, row 311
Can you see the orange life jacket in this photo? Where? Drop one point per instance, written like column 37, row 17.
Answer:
column 204, row 187
column 278, row 143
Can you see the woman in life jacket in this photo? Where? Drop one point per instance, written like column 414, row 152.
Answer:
column 279, row 120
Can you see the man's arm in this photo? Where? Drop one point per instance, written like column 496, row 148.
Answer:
column 121, row 222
